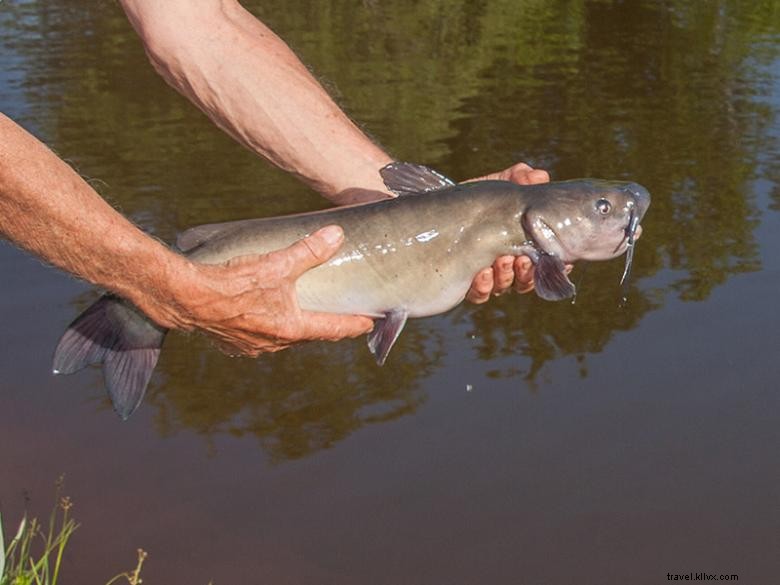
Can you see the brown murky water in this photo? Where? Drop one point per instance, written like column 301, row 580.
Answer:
column 518, row 442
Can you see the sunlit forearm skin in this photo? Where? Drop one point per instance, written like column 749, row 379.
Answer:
column 248, row 304
column 249, row 82
column 48, row 209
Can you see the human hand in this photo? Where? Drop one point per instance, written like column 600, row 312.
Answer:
column 507, row 271
column 249, row 304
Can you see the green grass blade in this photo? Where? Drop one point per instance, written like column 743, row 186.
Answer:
column 20, row 531
column 35, row 554
column 2, row 551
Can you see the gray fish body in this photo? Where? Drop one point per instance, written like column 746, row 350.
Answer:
column 413, row 256
column 418, row 253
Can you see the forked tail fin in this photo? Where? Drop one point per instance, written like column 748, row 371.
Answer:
column 120, row 338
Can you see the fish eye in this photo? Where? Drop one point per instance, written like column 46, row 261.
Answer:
column 603, row 206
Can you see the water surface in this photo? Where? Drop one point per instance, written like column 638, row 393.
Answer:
column 515, row 442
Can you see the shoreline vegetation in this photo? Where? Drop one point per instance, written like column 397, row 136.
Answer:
column 33, row 556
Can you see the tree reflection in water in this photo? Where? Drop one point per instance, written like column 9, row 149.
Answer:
column 297, row 401
column 672, row 95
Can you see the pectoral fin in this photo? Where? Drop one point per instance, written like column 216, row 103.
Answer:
column 550, row 279
column 385, row 332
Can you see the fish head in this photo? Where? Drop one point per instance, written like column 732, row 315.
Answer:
column 586, row 219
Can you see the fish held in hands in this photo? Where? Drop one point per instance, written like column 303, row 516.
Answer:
column 408, row 257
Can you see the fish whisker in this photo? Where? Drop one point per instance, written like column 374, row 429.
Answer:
column 633, row 222
column 627, row 269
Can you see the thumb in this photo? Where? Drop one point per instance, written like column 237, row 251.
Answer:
column 315, row 249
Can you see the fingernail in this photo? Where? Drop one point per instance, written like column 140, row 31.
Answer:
column 332, row 234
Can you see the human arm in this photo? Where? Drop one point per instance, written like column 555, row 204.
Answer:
column 249, row 83
column 248, row 303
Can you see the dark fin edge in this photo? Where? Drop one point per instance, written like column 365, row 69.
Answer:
column 411, row 179
column 550, row 279
column 385, row 333
column 121, row 339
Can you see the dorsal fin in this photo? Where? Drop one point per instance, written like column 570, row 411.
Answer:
column 411, row 179
column 190, row 239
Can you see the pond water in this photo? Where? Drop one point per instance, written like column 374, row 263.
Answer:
column 515, row 442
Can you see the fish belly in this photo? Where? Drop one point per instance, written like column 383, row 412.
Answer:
column 374, row 287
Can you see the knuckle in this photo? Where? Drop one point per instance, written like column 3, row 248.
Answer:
column 315, row 251
column 481, row 287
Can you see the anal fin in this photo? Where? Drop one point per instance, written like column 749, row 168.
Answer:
column 385, row 333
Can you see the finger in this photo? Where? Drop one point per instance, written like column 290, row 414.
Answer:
column 508, row 174
column 503, row 274
column 481, row 287
column 537, row 176
column 311, row 326
column 517, row 170
column 315, row 249
column 332, row 327
column 235, row 337
column 524, row 274
column 529, row 176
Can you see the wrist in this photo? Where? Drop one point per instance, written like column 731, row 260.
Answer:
column 162, row 292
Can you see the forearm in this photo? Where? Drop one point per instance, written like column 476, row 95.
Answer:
column 48, row 209
column 249, row 82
